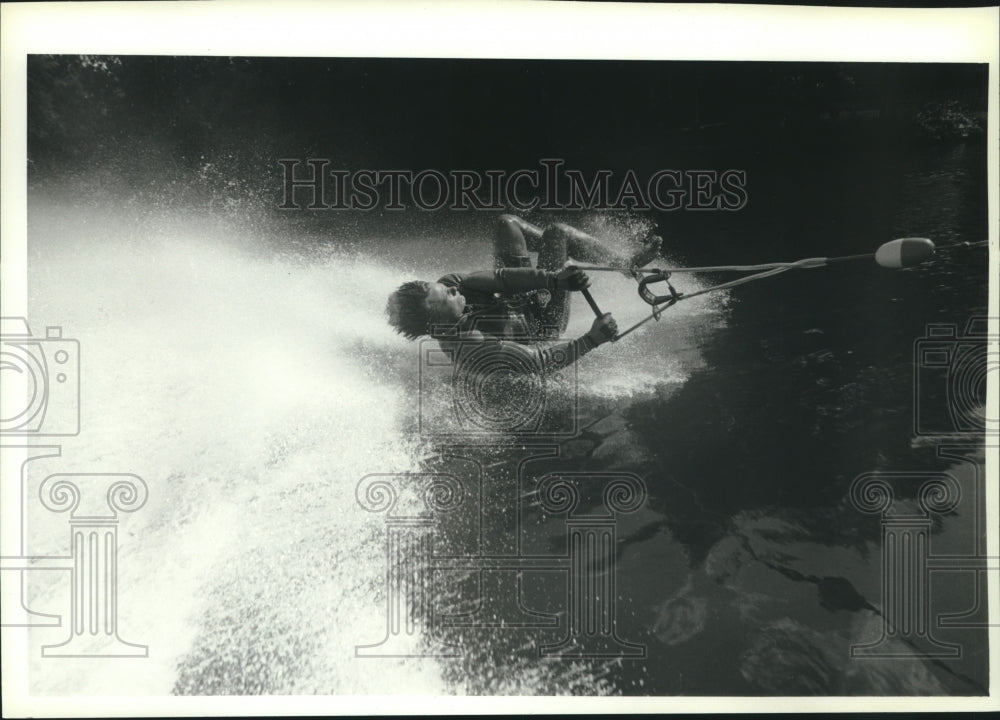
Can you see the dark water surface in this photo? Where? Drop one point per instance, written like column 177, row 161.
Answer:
column 749, row 570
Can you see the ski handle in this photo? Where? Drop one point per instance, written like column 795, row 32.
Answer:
column 590, row 301
column 646, row 294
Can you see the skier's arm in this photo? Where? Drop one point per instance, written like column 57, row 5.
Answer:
column 547, row 356
column 510, row 281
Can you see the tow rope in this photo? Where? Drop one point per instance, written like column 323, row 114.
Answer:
column 899, row 253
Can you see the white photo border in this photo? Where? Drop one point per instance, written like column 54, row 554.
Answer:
column 476, row 29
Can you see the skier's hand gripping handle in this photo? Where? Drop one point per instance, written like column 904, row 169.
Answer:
column 572, row 278
column 604, row 329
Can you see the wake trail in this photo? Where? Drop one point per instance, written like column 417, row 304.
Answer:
column 252, row 380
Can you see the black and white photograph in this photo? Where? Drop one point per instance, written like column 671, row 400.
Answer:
column 617, row 372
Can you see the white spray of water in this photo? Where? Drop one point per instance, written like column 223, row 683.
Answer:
column 251, row 390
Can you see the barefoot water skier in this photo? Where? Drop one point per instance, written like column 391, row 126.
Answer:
column 517, row 308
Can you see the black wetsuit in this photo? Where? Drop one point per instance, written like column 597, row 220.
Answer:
column 514, row 306
column 509, row 303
